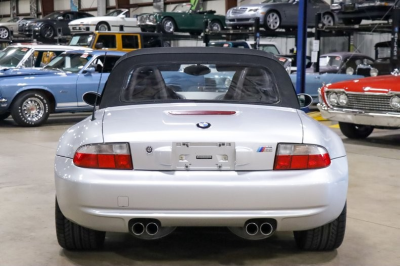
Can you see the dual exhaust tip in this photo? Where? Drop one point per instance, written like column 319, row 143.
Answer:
column 265, row 228
column 139, row 228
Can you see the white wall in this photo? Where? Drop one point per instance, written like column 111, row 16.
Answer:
column 23, row 6
column 217, row 5
column 86, row 3
column 4, row 10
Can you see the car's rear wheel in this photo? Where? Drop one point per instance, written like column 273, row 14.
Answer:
column 328, row 19
column 272, row 20
column 354, row 131
column 30, row 109
column 4, row 116
column 75, row 237
column 216, row 26
column 47, row 32
column 168, row 25
column 4, row 33
column 323, row 238
column 352, row 21
column 102, row 26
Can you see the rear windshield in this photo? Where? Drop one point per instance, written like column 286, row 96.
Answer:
column 200, row 82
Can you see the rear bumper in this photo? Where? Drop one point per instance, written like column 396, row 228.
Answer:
column 360, row 117
column 106, row 200
column 82, row 28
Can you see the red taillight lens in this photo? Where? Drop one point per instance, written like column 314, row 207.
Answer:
column 301, row 156
column 104, row 156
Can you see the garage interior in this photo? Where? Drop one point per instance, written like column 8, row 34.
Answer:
column 27, row 192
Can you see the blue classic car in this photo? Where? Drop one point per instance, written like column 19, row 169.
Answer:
column 314, row 81
column 59, row 87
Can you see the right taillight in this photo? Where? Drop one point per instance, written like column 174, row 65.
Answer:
column 104, row 156
column 301, row 156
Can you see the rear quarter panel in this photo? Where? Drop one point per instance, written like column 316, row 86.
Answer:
column 316, row 133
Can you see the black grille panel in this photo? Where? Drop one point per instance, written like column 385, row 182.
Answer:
column 369, row 102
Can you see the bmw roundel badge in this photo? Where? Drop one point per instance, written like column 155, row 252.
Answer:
column 149, row 149
column 203, row 125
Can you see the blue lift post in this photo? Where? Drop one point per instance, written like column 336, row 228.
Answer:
column 301, row 46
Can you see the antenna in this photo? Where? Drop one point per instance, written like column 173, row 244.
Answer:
column 98, row 87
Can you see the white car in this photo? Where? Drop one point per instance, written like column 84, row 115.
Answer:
column 31, row 55
column 12, row 24
column 110, row 22
column 156, row 156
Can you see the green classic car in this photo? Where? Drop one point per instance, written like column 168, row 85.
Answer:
column 181, row 19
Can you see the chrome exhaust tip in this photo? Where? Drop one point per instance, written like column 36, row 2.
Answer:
column 151, row 229
column 266, row 229
column 137, row 229
column 251, row 229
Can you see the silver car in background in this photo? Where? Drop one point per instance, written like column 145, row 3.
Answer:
column 157, row 155
column 275, row 14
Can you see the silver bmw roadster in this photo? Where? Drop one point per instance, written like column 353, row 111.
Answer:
column 192, row 150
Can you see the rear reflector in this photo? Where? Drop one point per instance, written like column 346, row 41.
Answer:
column 301, row 156
column 104, row 156
column 202, row 112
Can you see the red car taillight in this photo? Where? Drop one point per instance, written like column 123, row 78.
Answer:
column 301, row 156
column 104, row 156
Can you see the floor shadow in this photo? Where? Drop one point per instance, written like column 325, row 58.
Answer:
column 200, row 246
column 382, row 139
column 54, row 120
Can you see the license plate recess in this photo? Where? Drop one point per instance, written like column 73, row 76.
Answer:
column 203, row 156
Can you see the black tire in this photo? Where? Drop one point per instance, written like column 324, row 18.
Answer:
column 328, row 19
column 168, row 25
column 36, row 100
column 75, row 237
column 353, row 131
column 352, row 21
column 103, row 26
column 324, row 238
column 216, row 26
column 4, row 116
column 4, row 33
column 47, row 32
column 276, row 17
column 143, row 29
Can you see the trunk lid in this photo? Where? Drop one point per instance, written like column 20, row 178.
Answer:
column 161, row 140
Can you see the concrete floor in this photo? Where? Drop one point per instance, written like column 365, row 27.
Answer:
column 27, row 231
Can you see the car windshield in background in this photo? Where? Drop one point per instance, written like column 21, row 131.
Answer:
column 114, row 13
column 53, row 15
column 182, row 8
column 330, row 61
column 82, row 40
column 13, row 20
column 268, row 48
column 11, row 57
column 200, row 82
column 70, row 63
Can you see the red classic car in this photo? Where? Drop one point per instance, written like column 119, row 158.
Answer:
column 363, row 104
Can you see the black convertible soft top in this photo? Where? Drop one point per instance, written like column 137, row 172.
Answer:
column 206, row 55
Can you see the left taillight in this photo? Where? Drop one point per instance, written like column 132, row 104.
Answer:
column 104, row 156
column 301, row 156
